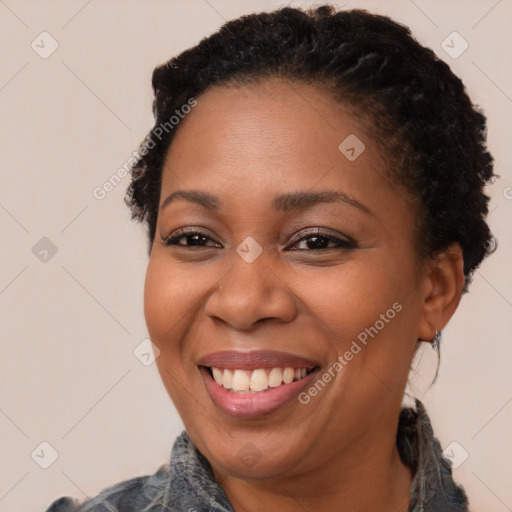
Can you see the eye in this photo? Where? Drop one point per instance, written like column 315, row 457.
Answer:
column 194, row 237
column 317, row 240
column 320, row 240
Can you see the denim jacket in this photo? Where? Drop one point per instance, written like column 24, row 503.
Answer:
column 187, row 483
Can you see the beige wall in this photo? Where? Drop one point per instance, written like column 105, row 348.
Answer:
column 69, row 325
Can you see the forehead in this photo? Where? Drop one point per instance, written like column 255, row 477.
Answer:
column 253, row 143
column 274, row 131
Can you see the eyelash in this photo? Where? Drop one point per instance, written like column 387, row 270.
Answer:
column 342, row 243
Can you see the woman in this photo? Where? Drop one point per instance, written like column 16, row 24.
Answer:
column 313, row 194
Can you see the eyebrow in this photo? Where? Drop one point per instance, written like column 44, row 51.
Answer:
column 292, row 201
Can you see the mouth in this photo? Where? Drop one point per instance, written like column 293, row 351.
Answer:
column 256, row 381
column 251, row 384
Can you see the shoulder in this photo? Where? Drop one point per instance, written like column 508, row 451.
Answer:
column 186, row 483
column 433, row 488
column 127, row 496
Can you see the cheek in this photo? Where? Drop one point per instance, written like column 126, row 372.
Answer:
column 167, row 299
column 369, row 314
column 174, row 296
column 353, row 297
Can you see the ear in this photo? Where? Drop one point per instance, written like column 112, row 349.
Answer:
column 441, row 291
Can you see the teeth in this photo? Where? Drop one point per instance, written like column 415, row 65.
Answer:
column 227, row 379
column 217, row 375
column 275, row 377
column 288, row 375
column 257, row 380
column 240, row 381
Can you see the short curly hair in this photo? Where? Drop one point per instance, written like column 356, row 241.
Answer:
column 432, row 137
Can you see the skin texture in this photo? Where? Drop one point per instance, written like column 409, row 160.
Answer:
column 245, row 146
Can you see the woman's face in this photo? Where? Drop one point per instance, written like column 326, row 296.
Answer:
column 279, row 278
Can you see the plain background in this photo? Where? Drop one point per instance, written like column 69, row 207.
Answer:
column 70, row 324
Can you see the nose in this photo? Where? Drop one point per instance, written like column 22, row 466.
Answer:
column 250, row 293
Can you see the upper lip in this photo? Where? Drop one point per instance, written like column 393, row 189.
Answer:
column 252, row 360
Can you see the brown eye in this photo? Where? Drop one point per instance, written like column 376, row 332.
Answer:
column 320, row 241
column 192, row 238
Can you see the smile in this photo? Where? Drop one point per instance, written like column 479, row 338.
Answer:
column 241, row 381
column 247, row 385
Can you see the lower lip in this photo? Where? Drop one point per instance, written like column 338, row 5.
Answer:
column 253, row 405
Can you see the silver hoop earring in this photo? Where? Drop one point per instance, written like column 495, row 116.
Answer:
column 436, row 340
